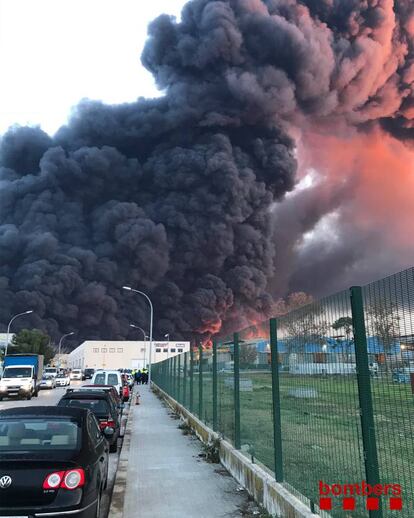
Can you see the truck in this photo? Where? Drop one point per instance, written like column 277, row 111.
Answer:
column 22, row 374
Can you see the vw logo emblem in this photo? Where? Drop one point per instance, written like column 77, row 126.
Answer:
column 5, row 482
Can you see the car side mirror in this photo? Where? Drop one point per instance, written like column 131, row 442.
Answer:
column 108, row 432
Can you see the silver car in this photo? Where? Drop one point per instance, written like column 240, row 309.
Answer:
column 48, row 382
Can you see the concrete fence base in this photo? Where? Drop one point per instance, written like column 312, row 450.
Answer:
column 255, row 478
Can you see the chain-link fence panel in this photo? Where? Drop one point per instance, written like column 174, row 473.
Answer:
column 256, row 410
column 321, row 428
column 389, row 321
column 225, row 389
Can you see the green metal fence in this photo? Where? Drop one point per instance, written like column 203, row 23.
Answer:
column 323, row 394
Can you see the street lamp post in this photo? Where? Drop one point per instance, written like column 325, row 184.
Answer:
column 145, row 339
column 60, row 344
column 128, row 288
column 10, row 323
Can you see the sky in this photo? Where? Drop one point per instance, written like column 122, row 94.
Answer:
column 53, row 53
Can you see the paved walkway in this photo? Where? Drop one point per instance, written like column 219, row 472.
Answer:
column 165, row 476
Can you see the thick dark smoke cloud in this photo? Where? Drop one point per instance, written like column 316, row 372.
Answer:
column 176, row 196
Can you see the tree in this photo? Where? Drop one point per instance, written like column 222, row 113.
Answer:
column 32, row 341
column 345, row 323
column 305, row 326
column 294, row 301
column 297, row 300
column 247, row 354
column 384, row 323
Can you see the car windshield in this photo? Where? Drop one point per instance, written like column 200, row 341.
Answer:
column 97, row 406
column 113, row 379
column 50, row 371
column 61, row 376
column 17, row 372
column 38, row 434
column 99, row 379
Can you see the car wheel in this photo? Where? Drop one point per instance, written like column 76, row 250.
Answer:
column 1, row 399
column 29, row 396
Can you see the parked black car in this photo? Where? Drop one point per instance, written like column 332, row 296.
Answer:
column 88, row 373
column 110, row 389
column 102, row 406
column 53, row 462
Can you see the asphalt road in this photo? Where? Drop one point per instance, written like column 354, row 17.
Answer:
column 51, row 397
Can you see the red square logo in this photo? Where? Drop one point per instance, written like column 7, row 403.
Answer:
column 325, row 504
column 395, row 504
column 348, row 504
column 372, row 504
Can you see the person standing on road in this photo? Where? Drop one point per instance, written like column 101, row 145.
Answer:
column 145, row 376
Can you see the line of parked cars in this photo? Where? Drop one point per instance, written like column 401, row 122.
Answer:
column 66, row 447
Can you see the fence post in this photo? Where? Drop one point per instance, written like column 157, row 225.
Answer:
column 185, row 379
column 277, row 421
column 365, row 393
column 178, row 378
column 166, row 376
column 175, row 377
column 191, row 379
column 237, row 440
column 200, row 382
column 170, row 376
column 215, row 385
column 162, row 377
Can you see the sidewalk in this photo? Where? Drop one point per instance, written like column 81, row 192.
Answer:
column 165, row 476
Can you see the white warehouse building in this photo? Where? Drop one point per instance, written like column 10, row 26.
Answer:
column 106, row 354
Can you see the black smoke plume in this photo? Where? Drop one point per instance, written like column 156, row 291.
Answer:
column 176, row 196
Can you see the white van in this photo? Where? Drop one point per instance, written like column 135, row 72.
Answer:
column 50, row 371
column 76, row 374
column 108, row 378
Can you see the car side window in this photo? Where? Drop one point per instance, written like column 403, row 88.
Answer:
column 114, row 410
column 94, row 431
column 114, row 379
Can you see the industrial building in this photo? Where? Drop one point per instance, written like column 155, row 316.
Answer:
column 105, row 354
column 60, row 361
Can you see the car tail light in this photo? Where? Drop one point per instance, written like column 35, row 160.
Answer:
column 71, row 479
column 105, row 424
column 53, row 480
